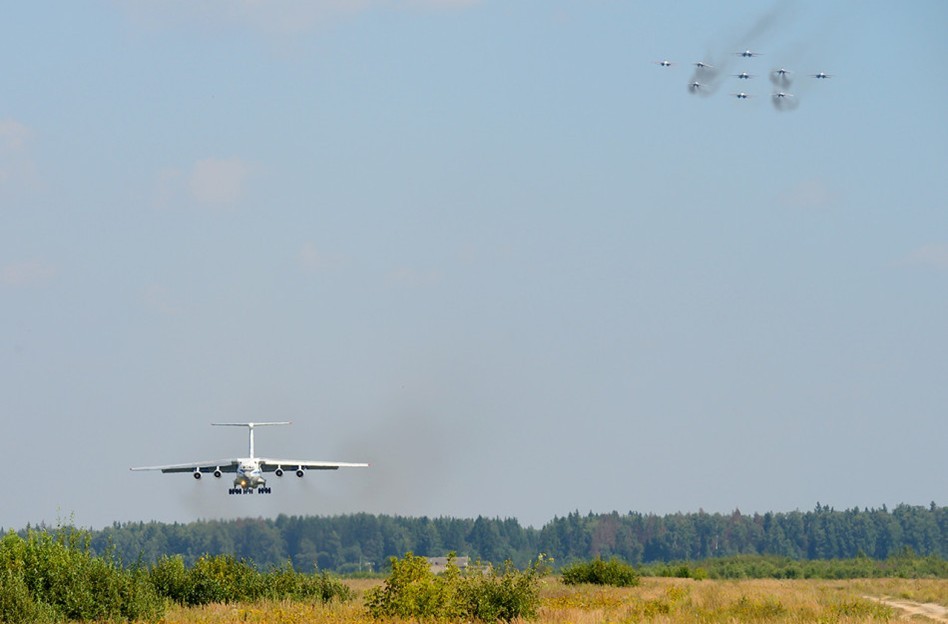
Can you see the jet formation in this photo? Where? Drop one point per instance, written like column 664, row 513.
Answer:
column 705, row 81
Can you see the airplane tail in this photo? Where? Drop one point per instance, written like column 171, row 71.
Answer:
column 250, row 426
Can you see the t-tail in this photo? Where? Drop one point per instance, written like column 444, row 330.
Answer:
column 250, row 426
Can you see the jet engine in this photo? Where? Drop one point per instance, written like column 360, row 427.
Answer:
column 299, row 472
column 279, row 471
column 197, row 474
column 217, row 472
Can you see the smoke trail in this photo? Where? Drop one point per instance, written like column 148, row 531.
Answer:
column 774, row 18
column 781, row 78
column 767, row 22
column 784, row 102
column 704, row 79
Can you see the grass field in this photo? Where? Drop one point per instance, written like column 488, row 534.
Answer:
column 655, row 600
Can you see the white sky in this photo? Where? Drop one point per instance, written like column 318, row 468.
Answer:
column 490, row 247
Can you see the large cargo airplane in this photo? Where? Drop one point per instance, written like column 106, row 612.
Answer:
column 249, row 470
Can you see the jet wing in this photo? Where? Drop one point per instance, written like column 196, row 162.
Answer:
column 269, row 464
column 225, row 465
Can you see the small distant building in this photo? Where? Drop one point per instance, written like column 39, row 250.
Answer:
column 440, row 564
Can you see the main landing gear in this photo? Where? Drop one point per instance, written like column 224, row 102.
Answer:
column 261, row 490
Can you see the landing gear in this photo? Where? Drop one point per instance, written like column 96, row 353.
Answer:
column 240, row 491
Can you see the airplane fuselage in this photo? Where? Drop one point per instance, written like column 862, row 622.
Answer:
column 249, row 474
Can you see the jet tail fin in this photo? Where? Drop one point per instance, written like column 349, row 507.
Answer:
column 250, row 426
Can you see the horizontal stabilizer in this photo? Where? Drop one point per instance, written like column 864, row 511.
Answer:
column 250, row 424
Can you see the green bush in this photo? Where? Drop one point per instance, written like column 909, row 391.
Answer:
column 599, row 572
column 17, row 603
column 412, row 590
column 226, row 579
column 52, row 577
column 287, row 584
column 170, row 579
column 503, row 595
column 55, row 577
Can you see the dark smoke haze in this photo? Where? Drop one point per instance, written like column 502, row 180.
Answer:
column 784, row 103
column 723, row 58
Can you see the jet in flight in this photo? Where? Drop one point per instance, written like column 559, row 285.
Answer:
column 248, row 471
column 781, row 77
column 703, row 65
column 665, row 63
column 743, row 75
column 822, row 75
column 742, row 95
column 747, row 54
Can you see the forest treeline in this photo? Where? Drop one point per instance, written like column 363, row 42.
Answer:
column 365, row 542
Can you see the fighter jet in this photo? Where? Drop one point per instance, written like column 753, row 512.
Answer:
column 747, row 53
column 664, row 63
column 703, row 65
column 742, row 95
column 781, row 77
column 696, row 87
column 784, row 101
column 248, row 470
column 822, row 75
column 743, row 75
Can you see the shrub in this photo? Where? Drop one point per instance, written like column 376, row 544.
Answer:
column 50, row 577
column 412, row 590
column 287, row 584
column 503, row 595
column 170, row 579
column 17, row 604
column 224, row 578
column 599, row 572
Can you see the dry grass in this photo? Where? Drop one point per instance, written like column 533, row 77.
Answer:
column 916, row 590
column 269, row 613
column 687, row 601
column 661, row 601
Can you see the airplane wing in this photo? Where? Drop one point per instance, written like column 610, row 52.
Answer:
column 269, row 464
column 225, row 465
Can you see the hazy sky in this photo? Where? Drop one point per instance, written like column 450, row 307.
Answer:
column 489, row 246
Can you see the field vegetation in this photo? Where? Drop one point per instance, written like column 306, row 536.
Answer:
column 658, row 600
column 55, row 577
column 48, row 577
column 903, row 565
